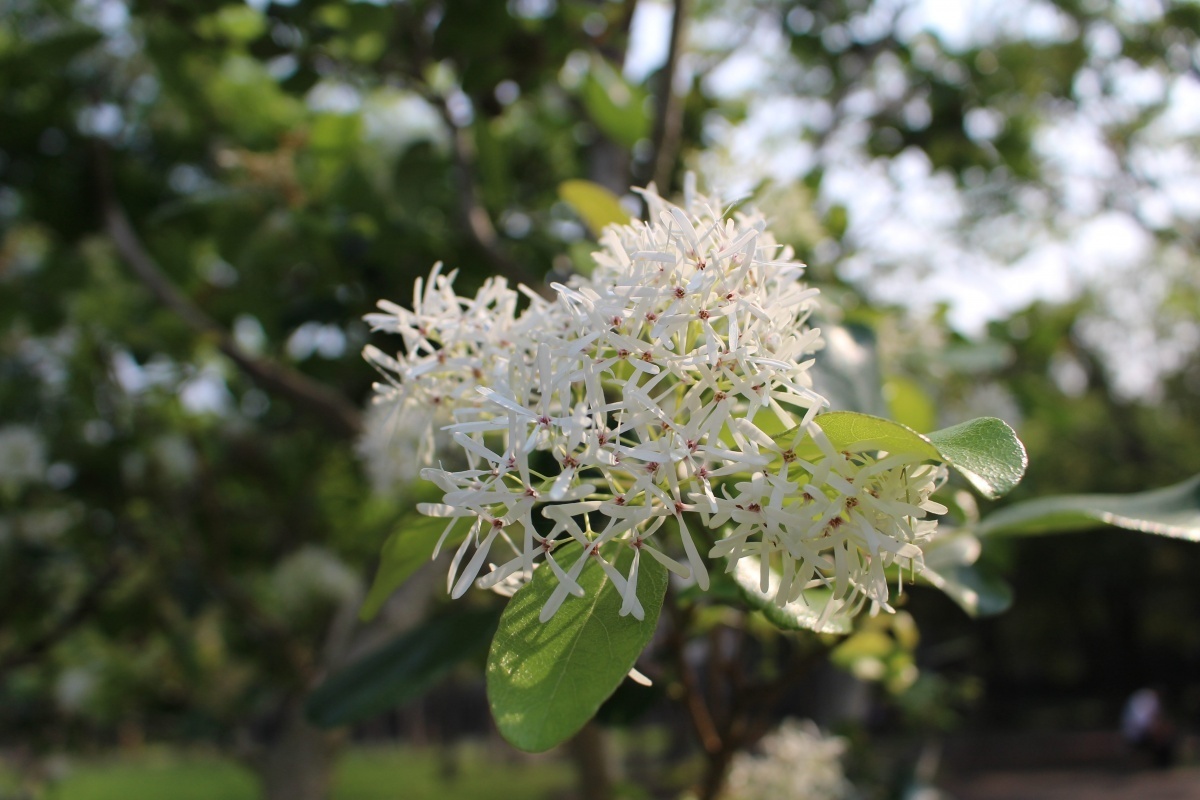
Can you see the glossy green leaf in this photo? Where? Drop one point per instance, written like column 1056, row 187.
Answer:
column 545, row 680
column 985, row 450
column 595, row 205
column 1171, row 511
column 410, row 546
column 798, row 615
column 401, row 670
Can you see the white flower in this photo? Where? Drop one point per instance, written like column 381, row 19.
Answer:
column 398, row 438
column 796, row 762
column 634, row 402
column 837, row 521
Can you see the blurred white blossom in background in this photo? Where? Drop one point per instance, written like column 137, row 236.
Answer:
column 796, row 762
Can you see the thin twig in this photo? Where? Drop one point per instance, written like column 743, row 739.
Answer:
column 474, row 215
column 327, row 404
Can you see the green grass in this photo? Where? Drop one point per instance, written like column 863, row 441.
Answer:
column 407, row 774
column 158, row 775
column 465, row 773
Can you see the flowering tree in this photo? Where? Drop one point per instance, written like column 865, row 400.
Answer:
column 657, row 415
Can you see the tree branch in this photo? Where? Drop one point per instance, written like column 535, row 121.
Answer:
column 65, row 624
column 668, row 108
column 327, row 404
column 475, row 217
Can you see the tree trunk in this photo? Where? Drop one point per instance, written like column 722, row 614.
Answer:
column 295, row 762
column 589, row 752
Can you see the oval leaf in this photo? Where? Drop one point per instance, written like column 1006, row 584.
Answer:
column 794, row 616
column 595, row 205
column 985, row 450
column 545, row 680
column 401, row 670
column 1172, row 511
column 406, row 550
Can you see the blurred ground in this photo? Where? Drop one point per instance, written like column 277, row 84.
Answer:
column 1177, row 784
column 462, row 772
column 1055, row 766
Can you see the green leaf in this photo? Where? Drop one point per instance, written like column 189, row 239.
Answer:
column 950, row 566
column 56, row 49
column 236, row 23
column 909, row 403
column 1171, row 511
column 614, row 105
column 976, row 591
column 795, row 616
column 864, row 644
column 985, row 450
column 545, row 680
column 595, row 205
column 401, row 670
column 405, row 551
column 848, row 430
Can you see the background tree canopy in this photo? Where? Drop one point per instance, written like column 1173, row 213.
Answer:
column 198, row 203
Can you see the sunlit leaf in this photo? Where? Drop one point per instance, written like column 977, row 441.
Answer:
column 545, row 680
column 985, row 450
column 1171, row 511
column 848, row 430
column 236, row 23
column 595, row 205
column 864, row 644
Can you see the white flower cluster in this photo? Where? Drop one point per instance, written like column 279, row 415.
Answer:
column 796, row 762
column 647, row 395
